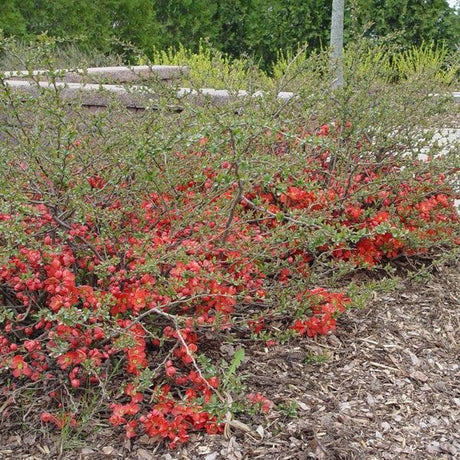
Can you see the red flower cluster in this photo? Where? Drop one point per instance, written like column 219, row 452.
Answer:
column 325, row 307
column 171, row 420
column 260, row 401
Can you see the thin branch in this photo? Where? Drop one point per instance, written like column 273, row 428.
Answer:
column 239, row 193
column 275, row 216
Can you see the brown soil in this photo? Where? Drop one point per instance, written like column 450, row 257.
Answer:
column 389, row 389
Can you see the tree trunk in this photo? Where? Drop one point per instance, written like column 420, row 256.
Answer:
column 338, row 7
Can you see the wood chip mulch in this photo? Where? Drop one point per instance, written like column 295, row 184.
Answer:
column 389, row 388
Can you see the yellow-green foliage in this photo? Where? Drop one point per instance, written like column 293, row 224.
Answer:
column 379, row 61
column 289, row 62
column 387, row 63
column 366, row 60
column 210, row 68
column 427, row 61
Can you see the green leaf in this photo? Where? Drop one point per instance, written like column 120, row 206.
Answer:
column 237, row 360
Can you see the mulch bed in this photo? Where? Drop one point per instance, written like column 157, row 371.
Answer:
column 384, row 386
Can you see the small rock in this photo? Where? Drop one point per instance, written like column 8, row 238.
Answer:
column 87, row 451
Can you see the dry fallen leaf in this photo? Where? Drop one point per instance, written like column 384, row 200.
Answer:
column 260, row 431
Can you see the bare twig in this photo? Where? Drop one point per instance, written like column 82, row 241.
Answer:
column 239, row 193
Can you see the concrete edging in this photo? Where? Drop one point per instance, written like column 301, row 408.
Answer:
column 137, row 97
column 90, row 86
column 118, row 74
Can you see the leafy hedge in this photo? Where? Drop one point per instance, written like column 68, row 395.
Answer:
column 237, row 28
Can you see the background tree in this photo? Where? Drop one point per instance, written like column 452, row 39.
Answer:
column 234, row 19
column 282, row 25
column 96, row 23
column 417, row 21
column 11, row 20
column 259, row 28
column 185, row 22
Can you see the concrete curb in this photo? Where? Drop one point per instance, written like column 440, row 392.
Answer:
column 119, row 74
column 137, row 97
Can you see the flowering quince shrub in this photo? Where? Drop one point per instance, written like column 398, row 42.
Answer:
column 120, row 261
column 72, row 317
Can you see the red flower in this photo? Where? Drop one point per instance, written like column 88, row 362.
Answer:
column 96, row 182
column 20, row 367
column 261, row 401
column 170, row 369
